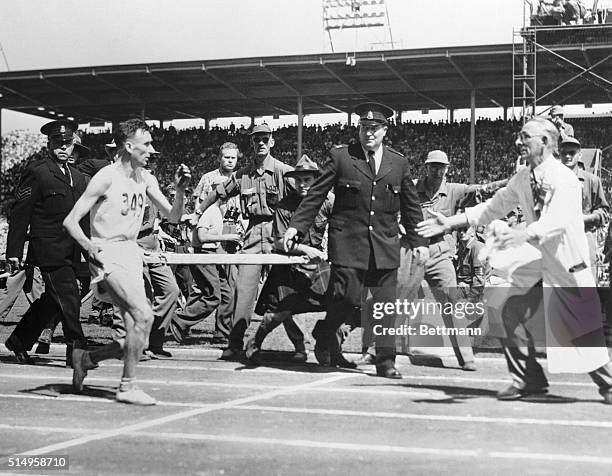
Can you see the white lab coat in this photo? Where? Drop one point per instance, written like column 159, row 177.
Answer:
column 571, row 303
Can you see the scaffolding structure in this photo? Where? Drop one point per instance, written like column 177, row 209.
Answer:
column 534, row 39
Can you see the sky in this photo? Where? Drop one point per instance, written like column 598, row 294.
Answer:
column 43, row 34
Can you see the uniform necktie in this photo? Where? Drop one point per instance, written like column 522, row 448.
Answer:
column 67, row 173
column 372, row 162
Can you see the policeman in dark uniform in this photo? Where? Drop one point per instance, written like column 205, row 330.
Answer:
column 372, row 184
column 47, row 191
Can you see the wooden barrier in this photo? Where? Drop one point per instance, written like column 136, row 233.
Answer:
column 217, row 258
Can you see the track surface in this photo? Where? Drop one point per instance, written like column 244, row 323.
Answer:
column 219, row 417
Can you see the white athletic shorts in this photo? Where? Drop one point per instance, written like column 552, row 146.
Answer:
column 122, row 259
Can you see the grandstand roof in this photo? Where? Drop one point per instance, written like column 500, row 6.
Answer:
column 403, row 79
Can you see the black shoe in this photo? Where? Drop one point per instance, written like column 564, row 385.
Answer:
column 14, row 345
column 322, row 356
column 231, row 354
column 160, row 353
column 299, row 357
column 338, row 360
column 513, row 392
column 388, row 372
column 366, row 359
column 42, row 348
column 178, row 333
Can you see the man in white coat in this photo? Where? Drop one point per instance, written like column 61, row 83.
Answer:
column 550, row 196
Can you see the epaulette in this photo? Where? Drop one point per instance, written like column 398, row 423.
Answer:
column 391, row 149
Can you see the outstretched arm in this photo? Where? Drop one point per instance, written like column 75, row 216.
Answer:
column 171, row 212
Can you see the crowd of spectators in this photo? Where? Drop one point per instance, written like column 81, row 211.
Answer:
column 18, row 148
column 198, row 148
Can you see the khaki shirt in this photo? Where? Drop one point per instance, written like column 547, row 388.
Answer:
column 260, row 191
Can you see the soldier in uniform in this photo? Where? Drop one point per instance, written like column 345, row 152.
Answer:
column 436, row 195
column 261, row 185
column 595, row 208
column 48, row 190
column 372, row 184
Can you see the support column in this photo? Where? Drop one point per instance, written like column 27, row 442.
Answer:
column 452, row 115
column 206, row 124
column 473, row 136
column 348, row 118
column 252, row 121
column 143, row 111
column 300, row 127
column 1, row 158
column 505, row 113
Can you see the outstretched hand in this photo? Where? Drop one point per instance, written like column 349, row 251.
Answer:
column 438, row 225
column 290, row 239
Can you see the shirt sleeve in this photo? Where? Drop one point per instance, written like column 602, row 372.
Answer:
column 26, row 196
column 600, row 206
column 503, row 202
column 282, row 218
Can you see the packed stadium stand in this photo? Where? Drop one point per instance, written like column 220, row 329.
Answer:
column 495, row 150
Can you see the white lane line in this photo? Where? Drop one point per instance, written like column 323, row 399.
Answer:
column 331, row 445
column 69, row 397
column 178, row 416
column 443, row 378
column 67, row 379
column 551, row 457
column 349, row 413
column 46, row 429
column 425, row 416
column 96, row 400
column 250, row 370
column 441, row 452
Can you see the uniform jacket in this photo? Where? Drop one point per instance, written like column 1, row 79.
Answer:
column 593, row 198
column 364, row 218
column 43, row 200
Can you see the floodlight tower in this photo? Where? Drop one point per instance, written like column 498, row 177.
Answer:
column 361, row 14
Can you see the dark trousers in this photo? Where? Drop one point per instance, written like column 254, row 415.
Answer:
column 60, row 300
column 204, row 297
column 346, row 299
column 182, row 274
column 519, row 344
column 227, row 281
column 163, row 291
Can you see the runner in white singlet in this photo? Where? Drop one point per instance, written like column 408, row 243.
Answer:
column 116, row 197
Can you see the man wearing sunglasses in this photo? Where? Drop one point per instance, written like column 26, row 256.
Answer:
column 372, row 185
column 560, row 281
column 48, row 190
column 261, row 184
